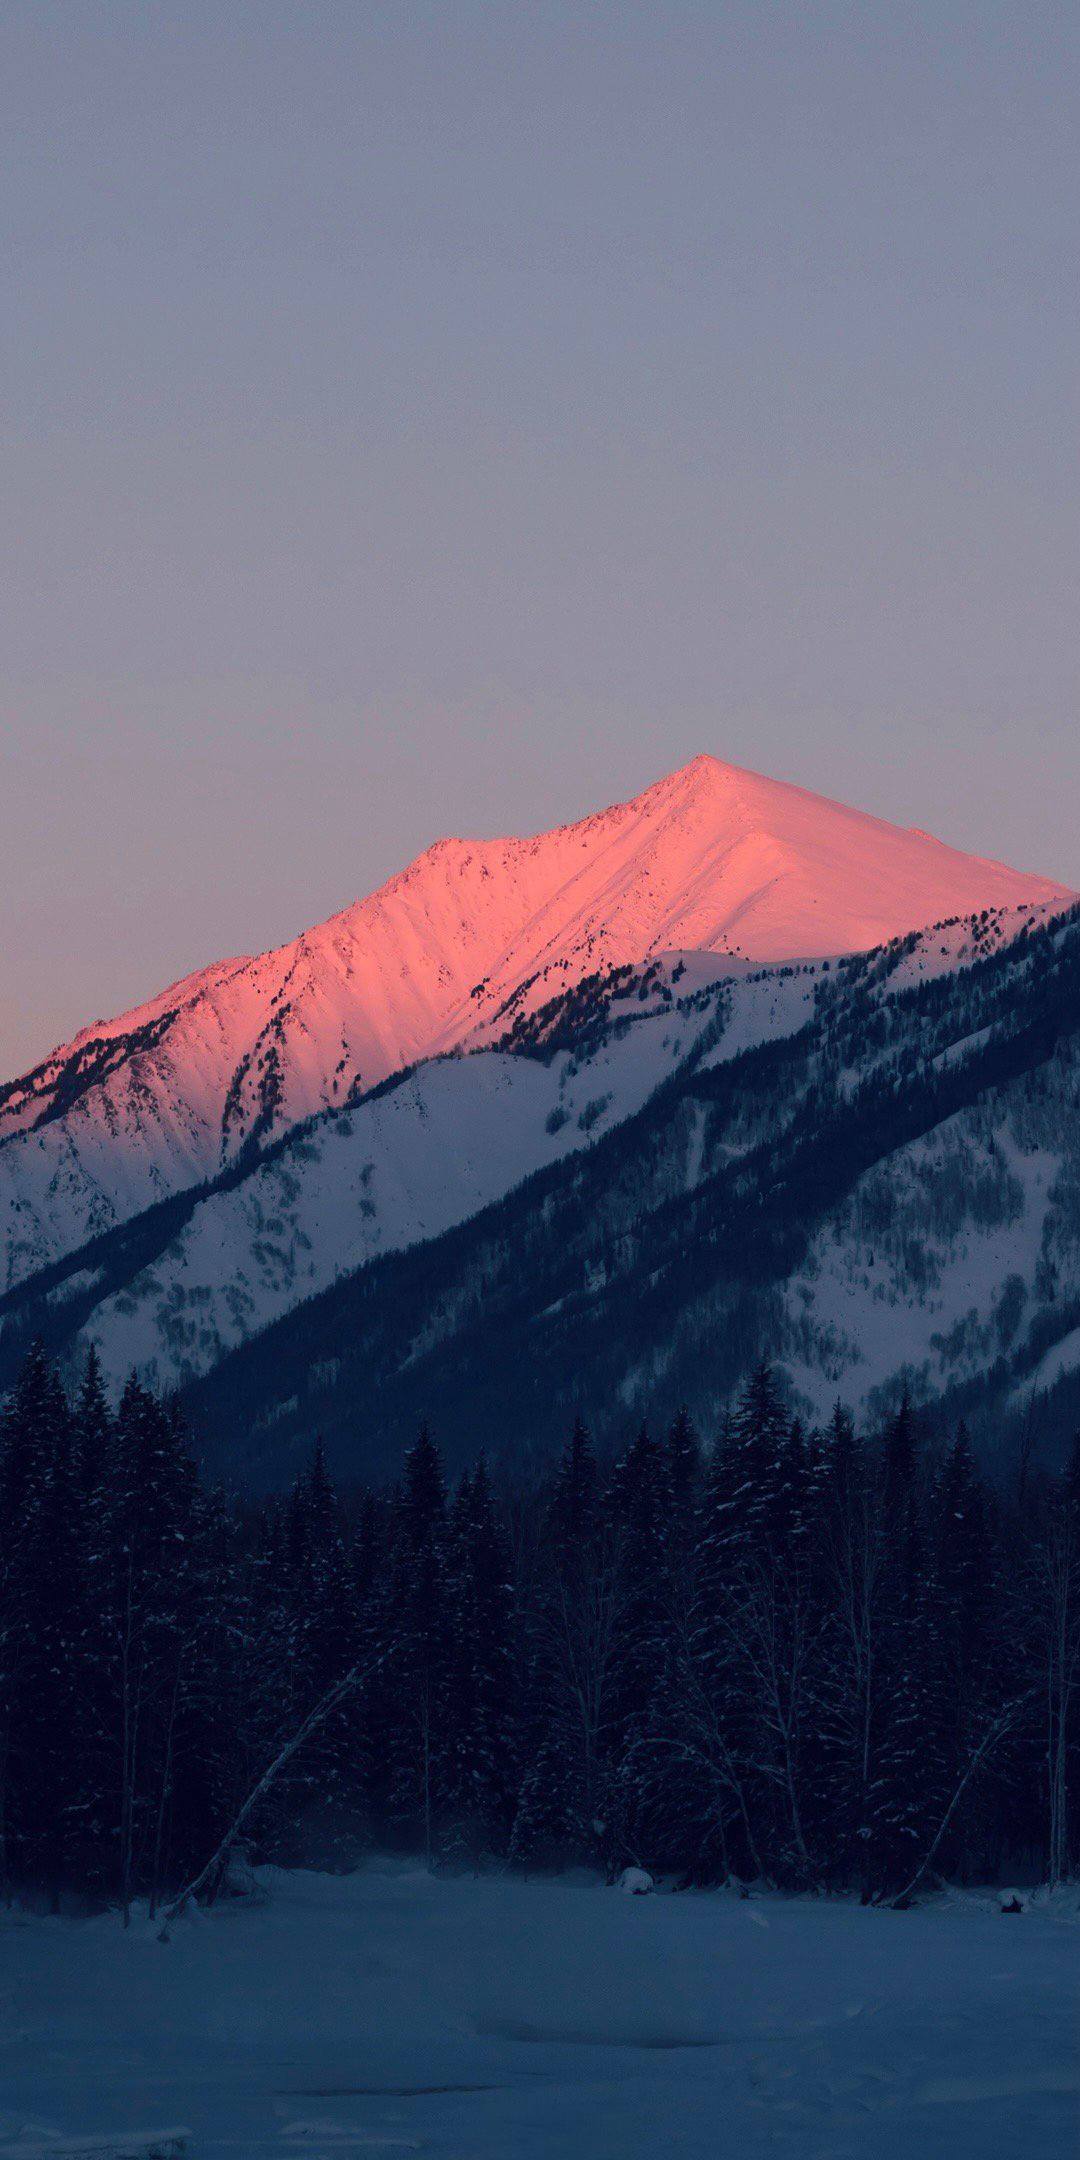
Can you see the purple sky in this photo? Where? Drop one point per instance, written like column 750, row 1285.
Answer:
column 427, row 418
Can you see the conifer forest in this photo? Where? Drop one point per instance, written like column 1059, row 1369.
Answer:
column 830, row 1661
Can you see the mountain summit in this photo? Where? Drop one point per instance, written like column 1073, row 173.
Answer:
column 712, row 858
column 715, row 859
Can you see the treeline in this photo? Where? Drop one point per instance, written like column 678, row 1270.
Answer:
column 814, row 1658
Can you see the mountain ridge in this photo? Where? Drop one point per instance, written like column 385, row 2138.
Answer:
column 419, row 1162
column 883, row 1198
column 710, row 858
column 705, row 777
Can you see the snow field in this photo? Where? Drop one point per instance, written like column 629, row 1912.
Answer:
column 392, row 2011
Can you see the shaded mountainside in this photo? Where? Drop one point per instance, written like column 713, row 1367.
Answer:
column 866, row 1168
column 902, row 1170
column 470, row 939
column 173, row 1291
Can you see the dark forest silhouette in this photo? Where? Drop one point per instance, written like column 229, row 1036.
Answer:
column 819, row 1659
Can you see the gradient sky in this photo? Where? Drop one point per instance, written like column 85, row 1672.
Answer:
column 427, row 418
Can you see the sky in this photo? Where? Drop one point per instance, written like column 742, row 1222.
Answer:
column 432, row 418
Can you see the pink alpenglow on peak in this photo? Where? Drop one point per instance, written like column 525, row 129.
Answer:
column 712, row 858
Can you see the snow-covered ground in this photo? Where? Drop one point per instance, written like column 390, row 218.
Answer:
column 391, row 2011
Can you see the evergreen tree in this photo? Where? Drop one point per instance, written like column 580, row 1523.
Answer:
column 641, row 1505
column 575, row 1500
column 481, row 1750
column 33, row 1433
column 760, row 1444
column 417, row 1642
column 905, row 1796
column 324, row 1635
column 575, row 1643
column 53, row 1685
column 143, row 1582
column 683, row 1484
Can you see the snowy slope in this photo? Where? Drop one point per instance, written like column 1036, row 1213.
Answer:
column 410, row 1161
column 423, row 1154
column 862, row 1168
column 470, row 936
column 933, row 1268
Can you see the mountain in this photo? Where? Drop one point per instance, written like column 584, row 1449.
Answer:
column 867, row 1168
column 882, row 1192
column 175, row 1289
column 469, row 941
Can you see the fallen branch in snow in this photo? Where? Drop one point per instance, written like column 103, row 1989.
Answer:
column 996, row 1731
column 211, row 1873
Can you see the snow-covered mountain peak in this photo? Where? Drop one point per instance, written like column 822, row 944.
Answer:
column 711, row 859
column 712, row 856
